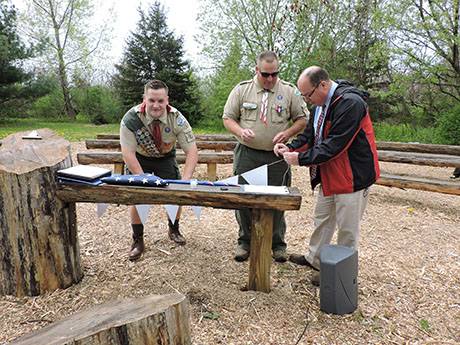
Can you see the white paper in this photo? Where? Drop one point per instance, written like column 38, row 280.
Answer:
column 230, row 180
column 197, row 211
column 258, row 176
column 143, row 212
column 265, row 189
column 171, row 210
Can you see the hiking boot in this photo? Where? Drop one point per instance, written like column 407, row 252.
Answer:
column 280, row 255
column 300, row 259
column 137, row 248
column 174, row 233
column 241, row 254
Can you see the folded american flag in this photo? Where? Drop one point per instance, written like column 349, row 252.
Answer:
column 143, row 180
column 150, row 180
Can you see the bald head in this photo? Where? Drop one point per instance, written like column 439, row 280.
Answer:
column 314, row 74
column 314, row 85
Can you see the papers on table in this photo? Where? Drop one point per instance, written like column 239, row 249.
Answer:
column 265, row 189
column 84, row 172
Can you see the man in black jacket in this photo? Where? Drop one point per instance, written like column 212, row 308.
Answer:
column 339, row 147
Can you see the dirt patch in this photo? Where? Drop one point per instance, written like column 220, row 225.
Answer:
column 409, row 273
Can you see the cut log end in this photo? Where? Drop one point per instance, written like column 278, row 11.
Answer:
column 150, row 320
column 19, row 155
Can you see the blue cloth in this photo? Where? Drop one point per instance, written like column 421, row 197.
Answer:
column 143, row 180
column 70, row 180
column 150, row 180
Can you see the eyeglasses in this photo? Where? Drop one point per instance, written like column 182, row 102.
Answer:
column 266, row 74
column 311, row 93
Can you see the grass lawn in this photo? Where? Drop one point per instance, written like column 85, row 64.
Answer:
column 71, row 130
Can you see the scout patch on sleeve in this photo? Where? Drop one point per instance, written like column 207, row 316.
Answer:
column 181, row 120
column 189, row 137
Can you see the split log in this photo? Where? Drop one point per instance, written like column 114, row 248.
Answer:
column 420, row 148
column 113, row 144
column 39, row 249
column 231, row 197
column 435, row 160
column 113, row 157
column 426, row 184
column 198, row 137
column 148, row 320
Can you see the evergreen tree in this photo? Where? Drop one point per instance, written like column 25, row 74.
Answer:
column 154, row 53
column 12, row 50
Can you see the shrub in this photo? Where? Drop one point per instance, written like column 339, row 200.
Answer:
column 98, row 104
column 49, row 106
column 448, row 126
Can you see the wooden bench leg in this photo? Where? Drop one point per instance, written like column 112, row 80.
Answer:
column 260, row 259
column 212, row 171
column 119, row 168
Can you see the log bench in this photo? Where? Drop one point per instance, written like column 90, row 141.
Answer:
column 211, row 159
column 38, row 226
column 153, row 319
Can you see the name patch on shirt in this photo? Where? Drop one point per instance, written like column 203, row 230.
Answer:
column 249, row 106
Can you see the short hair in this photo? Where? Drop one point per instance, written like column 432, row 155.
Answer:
column 156, row 84
column 316, row 75
column 268, row 56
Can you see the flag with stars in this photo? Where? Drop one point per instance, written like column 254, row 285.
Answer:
column 142, row 180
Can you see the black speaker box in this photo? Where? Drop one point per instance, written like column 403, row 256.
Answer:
column 338, row 279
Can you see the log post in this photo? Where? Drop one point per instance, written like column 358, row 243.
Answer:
column 261, row 247
column 148, row 320
column 212, row 171
column 39, row 249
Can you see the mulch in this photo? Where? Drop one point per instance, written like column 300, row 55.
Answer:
column 409, row 273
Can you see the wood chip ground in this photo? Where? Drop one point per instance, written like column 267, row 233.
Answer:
column 409, row 273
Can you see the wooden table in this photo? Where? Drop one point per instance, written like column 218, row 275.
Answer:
column 262, row 206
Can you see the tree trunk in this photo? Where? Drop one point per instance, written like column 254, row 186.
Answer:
column 148, row 320
column 39, row 249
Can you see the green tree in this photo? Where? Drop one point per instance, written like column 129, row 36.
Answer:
column 12, row 53
column 426, row 37
column 61, row 28
column 218, row 86
column 153, row 52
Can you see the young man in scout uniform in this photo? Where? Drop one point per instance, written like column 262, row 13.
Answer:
column 262, row 112
column 148, row 135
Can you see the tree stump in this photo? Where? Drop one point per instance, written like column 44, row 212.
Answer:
column 39, row 249
column 149, row 320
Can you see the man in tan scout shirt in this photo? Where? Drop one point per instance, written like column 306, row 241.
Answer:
column 262, row 112
column 148, row 135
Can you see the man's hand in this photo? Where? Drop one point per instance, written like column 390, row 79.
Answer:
column 280, row 149
column 247, row 134
column 291, row 158
column 281, row 137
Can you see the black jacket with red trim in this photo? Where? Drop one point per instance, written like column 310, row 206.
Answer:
column 347, row 155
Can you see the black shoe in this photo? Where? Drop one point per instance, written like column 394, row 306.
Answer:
column 280, row 255
column 137, row 248
column 300, row 259
column 241, row 254
column 174, row 233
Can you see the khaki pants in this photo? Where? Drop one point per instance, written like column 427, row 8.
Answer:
column 279, row 174
column 343, row 210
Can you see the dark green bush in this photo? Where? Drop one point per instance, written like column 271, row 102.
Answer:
column 98, row 104
column 448, row 126
column 49, row 106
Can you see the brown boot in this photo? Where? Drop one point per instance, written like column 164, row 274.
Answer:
column 137, row 248
column 174, row 233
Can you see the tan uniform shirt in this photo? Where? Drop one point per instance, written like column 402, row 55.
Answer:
column 173, row 125
column 285, row 105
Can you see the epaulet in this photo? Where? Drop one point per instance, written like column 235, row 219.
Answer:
column 287, row 83
column 245, row 82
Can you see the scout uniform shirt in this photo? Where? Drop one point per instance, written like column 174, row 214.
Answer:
column 285, row 103
column 135, row 133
